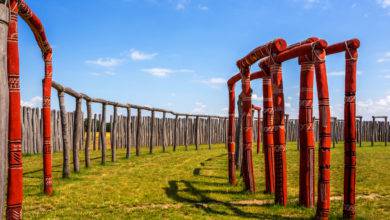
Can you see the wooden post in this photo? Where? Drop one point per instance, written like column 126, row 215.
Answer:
column 372, row 131
column 151, row 132
column 94, row 131
column 175, row 133
column 114, row 132
column 88, row 137
column 65, row 136
column 386, row 131
column 103, row 133
column 138, row 134
column 209, row 131
column 76, row 135
column 163, row 132
column 4, row 17
column 100, row 134
column 197, row 133
column 360, row 130
column 128, row 133
column 15, row 169
column 186, row 133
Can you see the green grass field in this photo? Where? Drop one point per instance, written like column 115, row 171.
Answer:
column 193, row 185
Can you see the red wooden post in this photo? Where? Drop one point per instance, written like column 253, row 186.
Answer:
column 231, row 137
column 350, row 47
column 247, row 165
column 279, row 135
column 306, row 133
column 268, row 136
column 323, row 199
column 15, row 170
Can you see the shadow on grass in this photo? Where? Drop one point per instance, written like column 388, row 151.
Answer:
column 199, row 198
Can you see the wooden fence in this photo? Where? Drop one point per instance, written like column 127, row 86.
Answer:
column 32, row 131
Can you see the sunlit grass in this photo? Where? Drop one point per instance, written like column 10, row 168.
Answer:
column 192, row 185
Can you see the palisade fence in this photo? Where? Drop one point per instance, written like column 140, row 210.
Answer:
column 32, row 130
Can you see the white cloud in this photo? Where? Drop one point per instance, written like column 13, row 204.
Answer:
column 225, row 110
column 310, row 4
column 214, row 82
column 105, row 62
column 385, row 58
column 137, row 55
column 203, row 7
column 386, row 76
column 159, row 72
column 371, row 107
column 199, row 108
column 384, row 3
column 104, row 73
column 341, row 73
column 182, row 4
column 33, row 102
column 164, row 72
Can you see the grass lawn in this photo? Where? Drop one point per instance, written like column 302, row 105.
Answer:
column 193, row 185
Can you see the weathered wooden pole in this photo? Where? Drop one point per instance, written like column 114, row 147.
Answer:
column 164, row 146
column 65, row 136
column 88, row 137
column 175, row 132
column 128, row 132
column 386, row 131
column 113, row 134
column 94, row 131
column 360, row 130
column 138, row 134
column 209, row 131
column 76, row 135
column 186, row 133
column 197, row 133
column 15, row 169
column 151, row 132
column 4, row 18
column 372, row 131
column 239, row 151
column 103, row 133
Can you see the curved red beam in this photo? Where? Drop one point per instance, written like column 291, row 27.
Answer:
column 39, row 32
column 351, row 54
column 275, row 46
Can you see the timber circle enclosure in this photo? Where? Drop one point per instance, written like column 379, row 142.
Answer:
column 42, row 131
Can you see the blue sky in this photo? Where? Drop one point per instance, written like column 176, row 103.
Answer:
column 178, row 54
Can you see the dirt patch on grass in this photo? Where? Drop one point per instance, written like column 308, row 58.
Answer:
column 155, row 206
column 251, row 202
